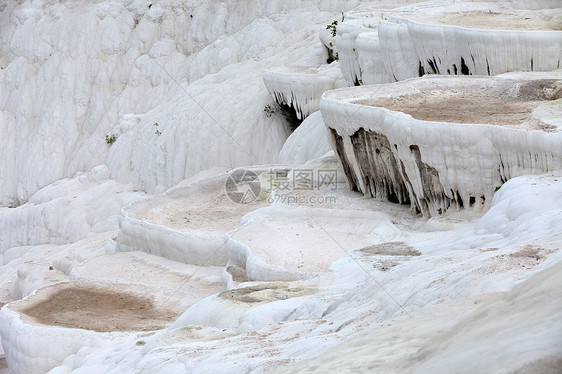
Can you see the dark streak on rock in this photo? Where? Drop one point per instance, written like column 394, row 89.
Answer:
column 380, row 170
column 464, row 68
column 421, row 70
column 347, row 168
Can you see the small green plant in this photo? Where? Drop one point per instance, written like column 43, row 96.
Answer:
column 110, row 139
column 332, row 27
column 157, row 132
column 269, row 110
column 286, row 111
column 497, row 189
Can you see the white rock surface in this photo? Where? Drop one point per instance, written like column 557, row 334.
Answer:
column 129, row 67
column 67, row 211
column 448, row 337
column 73, row 72
column 288, row 322
column 302, row 87
column 309, row 141
column 382, row 46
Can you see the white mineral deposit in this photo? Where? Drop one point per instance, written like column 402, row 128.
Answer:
column 280, row 186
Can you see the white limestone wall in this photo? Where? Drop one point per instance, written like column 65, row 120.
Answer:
column 71, row 72
column 483, row 52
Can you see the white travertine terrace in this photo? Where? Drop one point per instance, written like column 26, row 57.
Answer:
column 137, row 291
column 178, row 89
column 187, row 224
column 465, row 39
column 486, row 49
column 302, row 87
column 457, row 142
column 282, row 242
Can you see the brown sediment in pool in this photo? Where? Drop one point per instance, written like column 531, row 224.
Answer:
column 467, row 106
column 202, row 206
column 489, row 20
column 101, row 310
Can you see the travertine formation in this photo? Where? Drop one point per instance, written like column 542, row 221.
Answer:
column 443, row 142
column 123, row 247
column 463, row 39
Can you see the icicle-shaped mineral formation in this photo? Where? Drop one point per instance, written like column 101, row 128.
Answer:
column 445, row 142
column 302, row 87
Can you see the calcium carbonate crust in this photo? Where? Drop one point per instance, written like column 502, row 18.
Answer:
column 438, row 165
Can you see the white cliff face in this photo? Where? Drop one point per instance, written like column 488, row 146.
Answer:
column 428, row 161
column 71, row 72
column 157, row 150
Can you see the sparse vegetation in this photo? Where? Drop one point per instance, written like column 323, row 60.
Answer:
column 157, row 132
column 269, row 110
column 286, row 111
column 110, row 139
column 332, row 27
